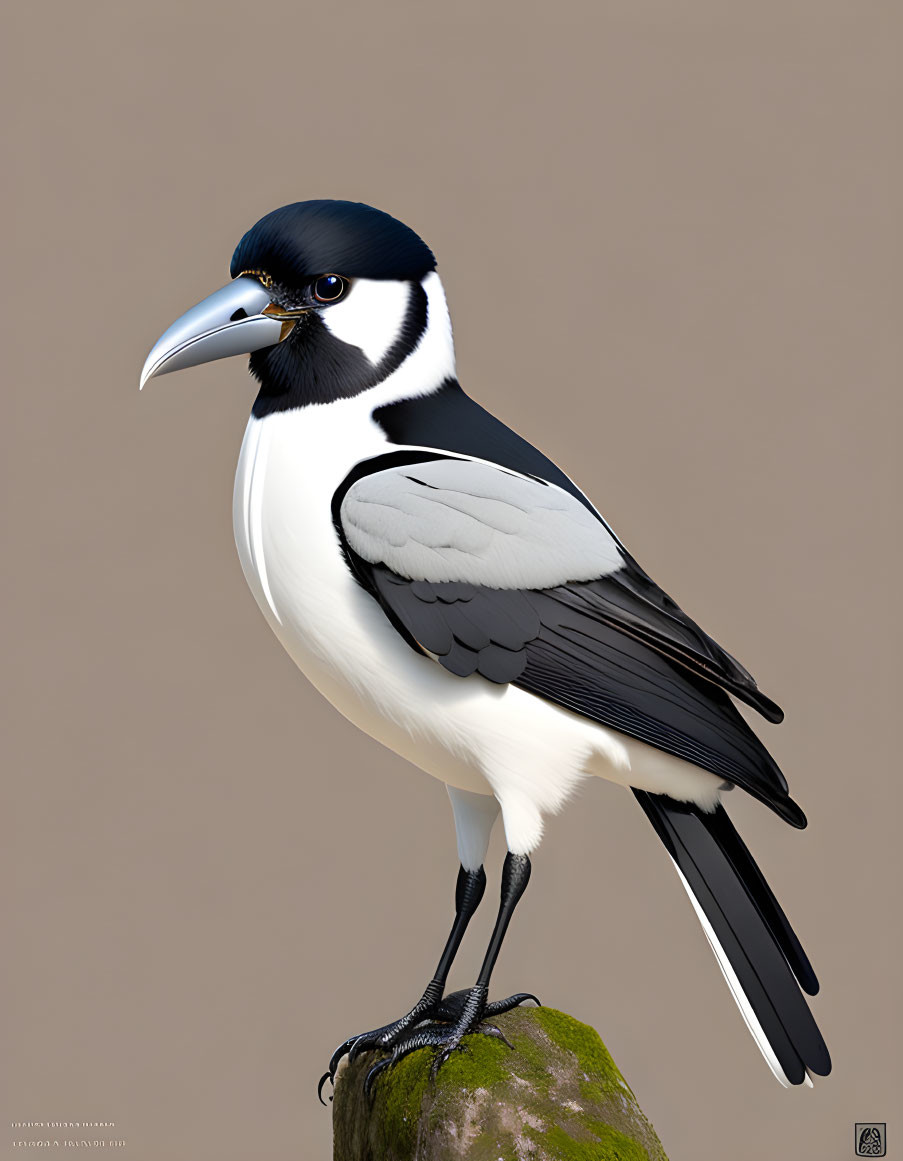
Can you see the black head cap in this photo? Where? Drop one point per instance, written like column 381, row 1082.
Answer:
column 308, row 238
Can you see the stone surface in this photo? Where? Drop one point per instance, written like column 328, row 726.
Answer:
column 557, row 1096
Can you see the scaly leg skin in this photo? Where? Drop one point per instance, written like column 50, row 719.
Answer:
column 468, row 893
column 467, row 1009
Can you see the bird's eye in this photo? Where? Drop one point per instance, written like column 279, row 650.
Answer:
column 329, row 288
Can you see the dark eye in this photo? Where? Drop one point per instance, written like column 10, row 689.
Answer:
column 329, row 288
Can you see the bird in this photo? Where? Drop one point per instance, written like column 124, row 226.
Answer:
column 456, row 596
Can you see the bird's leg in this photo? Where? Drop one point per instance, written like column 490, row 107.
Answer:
column 468, row 893
column 466, row 1010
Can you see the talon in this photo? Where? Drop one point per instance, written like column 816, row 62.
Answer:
column 497, row 1007
column 323, row 1079
column 495, row 1033
column 336, row 1057
column 357, row 1047
column 374, row 1072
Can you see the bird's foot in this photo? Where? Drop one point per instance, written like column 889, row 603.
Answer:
column 386, row 1037
column 463, row 1014
column 449, row 1016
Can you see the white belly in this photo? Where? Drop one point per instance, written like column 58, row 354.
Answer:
column 469, row 733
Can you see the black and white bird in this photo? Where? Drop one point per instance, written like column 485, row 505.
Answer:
column 455, row 595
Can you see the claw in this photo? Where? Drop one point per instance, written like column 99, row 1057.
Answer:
column 358, row 1045
column 323, row 1079
column 495, row 1033
column 336, row 1057
column 374, row 1072
column 497, row 1007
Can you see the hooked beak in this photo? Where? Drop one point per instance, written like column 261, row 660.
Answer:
column 236, row 320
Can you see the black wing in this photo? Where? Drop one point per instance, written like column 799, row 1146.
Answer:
column 554, row 644
column 615, row 648
column 631, row 601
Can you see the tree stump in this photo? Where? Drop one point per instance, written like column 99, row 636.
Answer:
column 557, row 1096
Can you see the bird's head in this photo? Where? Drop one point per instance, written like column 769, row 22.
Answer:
column 330, row 298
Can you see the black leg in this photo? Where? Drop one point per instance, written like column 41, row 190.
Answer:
column 515, row 877
column 466, row 1010
column 468, row 893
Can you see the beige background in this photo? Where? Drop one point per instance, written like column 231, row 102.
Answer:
column 670, row 239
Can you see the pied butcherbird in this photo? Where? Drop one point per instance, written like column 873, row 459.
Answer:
column 455, row 595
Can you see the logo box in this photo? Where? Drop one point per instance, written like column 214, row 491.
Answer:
column 870, row 1139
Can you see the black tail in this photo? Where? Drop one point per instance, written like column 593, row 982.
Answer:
column 755, row 946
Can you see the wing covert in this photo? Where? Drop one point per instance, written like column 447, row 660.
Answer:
column 457, row 519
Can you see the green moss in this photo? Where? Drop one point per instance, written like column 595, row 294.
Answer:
column 618, row 1146
column 400, row 1092
column 497, row 1148
column 404, row 1090
column 584, row 1042
column 531, row 1061
column 563, row 1147
column 483, row 1063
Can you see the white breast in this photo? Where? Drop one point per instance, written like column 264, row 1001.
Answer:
column 290, row 465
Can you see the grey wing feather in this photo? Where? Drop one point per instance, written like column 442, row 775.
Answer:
column 463, row 520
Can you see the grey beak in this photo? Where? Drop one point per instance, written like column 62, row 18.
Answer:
column 211, row 330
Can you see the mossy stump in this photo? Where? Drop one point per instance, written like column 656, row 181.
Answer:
column 557, row 1096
